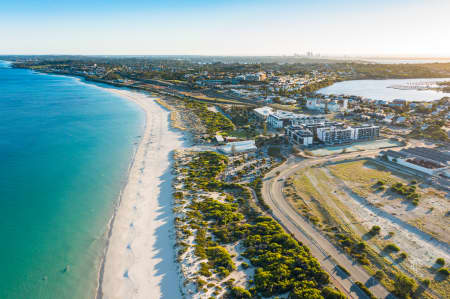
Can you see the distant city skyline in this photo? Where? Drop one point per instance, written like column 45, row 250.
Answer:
column 396, row 28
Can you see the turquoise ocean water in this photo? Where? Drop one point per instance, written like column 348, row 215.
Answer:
column 65, row 147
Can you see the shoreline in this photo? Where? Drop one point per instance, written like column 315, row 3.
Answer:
column 120, row 252
column 107, row 273
column 98, row 292
column 138, row 97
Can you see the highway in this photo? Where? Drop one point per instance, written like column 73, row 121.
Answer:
column 321, row 248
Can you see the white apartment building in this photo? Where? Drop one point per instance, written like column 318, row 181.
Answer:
column 280, row 119
column 316, row 104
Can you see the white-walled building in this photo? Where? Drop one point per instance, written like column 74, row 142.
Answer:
column 426, row 160
column 302, row 119
column 366, row 132
column 263, row 113
column 238, row 147
column 317, row 104
column 280, row 119
column 335, row 134
column 299, row 135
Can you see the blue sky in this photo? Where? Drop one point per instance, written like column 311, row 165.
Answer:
column 246, row 27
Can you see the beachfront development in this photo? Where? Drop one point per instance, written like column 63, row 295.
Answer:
column 254, row 184
column 289, row 149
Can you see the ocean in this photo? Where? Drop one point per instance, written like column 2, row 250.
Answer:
column 65, row 148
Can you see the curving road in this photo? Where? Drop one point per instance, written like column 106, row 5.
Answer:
column 321, row 248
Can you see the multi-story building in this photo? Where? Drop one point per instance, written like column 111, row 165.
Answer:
column 302, row 119
column 317, row 104
column 313, row 127
column 280, row 119
column 366, row 132
column 299, row 135
column 335, row 134
column 329, row 133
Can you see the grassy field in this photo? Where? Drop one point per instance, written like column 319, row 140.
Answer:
column 364, row 175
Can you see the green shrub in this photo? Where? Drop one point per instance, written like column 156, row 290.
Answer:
column 404, row 286
column 440, row 261
column 245, row 265
column 204, row 270
column 443, row 271
column 329, row 293
column 379, row 275
column 229, row 282
column 238, row 292
column 360, row 246
column 220, row 260
column 306, row 293
column 343, row 270
column 365, row 290
column 375, row 230
column 200, row 283
column 391, row 248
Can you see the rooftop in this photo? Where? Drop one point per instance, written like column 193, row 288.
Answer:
column 239, row 146
column 429, row 153
column 264, row 110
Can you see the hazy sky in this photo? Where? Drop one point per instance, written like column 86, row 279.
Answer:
column 232, row 27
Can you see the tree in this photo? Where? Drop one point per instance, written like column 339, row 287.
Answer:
column 238, row 292
column 306, row 294
column 404, row 286
column 329, row 293
column 379, row 275
column 375, row 230
column 440, row 261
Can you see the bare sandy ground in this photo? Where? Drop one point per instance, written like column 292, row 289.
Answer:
column 139, row 261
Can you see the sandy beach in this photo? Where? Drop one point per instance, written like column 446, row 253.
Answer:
column 139, row 260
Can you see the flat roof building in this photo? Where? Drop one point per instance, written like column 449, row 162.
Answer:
column 335, row 134
column 302, row 119
column 280, row 118
column 263, row 112
column 426, row 160
column 238, row 147
column 366, row 132
column 299, row 136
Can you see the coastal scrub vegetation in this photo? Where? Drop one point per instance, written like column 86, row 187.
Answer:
column 213, row 121
column 220, row 224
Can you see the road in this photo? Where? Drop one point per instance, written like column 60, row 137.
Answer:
column 321, row 248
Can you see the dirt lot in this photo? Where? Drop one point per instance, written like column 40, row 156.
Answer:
column 431, row 213
column 349, row 195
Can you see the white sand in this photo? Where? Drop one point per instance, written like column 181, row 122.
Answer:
column 139, row 261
